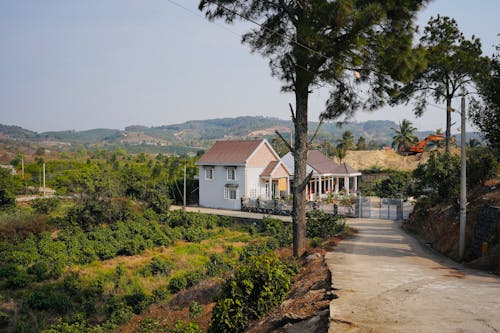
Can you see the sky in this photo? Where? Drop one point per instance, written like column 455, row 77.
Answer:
column 83, row 64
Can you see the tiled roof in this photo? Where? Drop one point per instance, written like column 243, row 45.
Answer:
column 229, row 152
column 269, row 168
column 321, row 164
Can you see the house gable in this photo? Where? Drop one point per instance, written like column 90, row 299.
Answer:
column 261, row 156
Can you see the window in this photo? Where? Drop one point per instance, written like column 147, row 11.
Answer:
column 209, row 173
column 231, row 174
column 253, row 193
column 230, row 193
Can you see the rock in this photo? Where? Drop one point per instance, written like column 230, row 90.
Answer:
column 313, row 257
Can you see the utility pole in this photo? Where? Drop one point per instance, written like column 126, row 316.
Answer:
column 184, row 196
column 43, row 179
column 463, row 183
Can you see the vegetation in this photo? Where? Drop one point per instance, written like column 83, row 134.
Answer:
column 316, row 43
column 485, row 113
column 452, row 62
column 258, row 286
column 404, row 137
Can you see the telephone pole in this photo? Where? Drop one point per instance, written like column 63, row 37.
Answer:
column 184, row 196
column 463, row 183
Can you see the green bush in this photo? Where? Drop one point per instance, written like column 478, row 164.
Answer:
column 46, row 205
column 256, row 288
column 315, row 242
column 157, row 266
column 182, row 327
column 195, row 309
column 177, row 283
column 18, row 281
column 216, row 265
column 323, row 225
column 118, row 311
column 49, row 298
column 137, row 301
column 4, row 319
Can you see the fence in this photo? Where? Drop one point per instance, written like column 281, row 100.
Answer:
column 382, row 208
column 364, row 207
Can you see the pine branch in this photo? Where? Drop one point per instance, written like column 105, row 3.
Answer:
column 285, row 142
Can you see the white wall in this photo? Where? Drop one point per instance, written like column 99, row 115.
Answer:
column 212, row 191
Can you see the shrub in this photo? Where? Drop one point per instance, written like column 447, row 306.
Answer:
column 40, row 269
column 182, row 327
column 315, row 242
column 18, row 281
column 321, row 224
column 118, row 311
column 177, row 283
column 46, row 205
column 195, row 309
column 49, row 298
column 136, row 300
column 255, row 289
column 216, row 265
column 4, row 319
column 157, row 266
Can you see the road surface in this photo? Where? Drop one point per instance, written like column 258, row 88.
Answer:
column 387, row 283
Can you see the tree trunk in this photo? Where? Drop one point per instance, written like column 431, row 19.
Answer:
column 448, row 123
column 300, row 162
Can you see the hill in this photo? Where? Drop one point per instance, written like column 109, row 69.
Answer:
column 190, row 136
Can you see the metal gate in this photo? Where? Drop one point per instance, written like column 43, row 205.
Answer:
column 382, row 208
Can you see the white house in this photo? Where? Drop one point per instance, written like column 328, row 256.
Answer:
column 231, row 170
column 327, row 177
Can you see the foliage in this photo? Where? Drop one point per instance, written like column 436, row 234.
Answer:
column 441, row 174
column 9, row 186
column 195, row 309
column 316, row 43
column 394, row 186
column 451, row 63
column 481, row 166
column 157, row 266
column 45, row 205
column 217, row 265
column 485, row 113
column 404, row 136
column 278, row 229
column 323, row 225
column 346, row 141
column 182, row 327
column 255, row 289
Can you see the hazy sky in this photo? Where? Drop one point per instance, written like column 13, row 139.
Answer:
column 85, row 64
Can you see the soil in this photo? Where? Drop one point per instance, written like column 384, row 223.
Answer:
column 305, row 309
column 387, row 159
column 438, row 227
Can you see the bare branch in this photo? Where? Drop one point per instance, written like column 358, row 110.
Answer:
column 285, row 142
column 301, row 187
column 321, row 119
column 292, row 112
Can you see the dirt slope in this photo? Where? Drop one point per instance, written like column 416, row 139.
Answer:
column 386, row 159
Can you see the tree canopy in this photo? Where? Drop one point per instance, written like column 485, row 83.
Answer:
column 342, row 43
column 485, row 113
column 452, row 62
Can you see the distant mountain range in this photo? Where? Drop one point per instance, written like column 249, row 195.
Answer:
column 194, row 135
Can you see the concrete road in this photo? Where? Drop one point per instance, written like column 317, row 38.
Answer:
column 387, row 282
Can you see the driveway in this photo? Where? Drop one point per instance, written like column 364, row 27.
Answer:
column 388, row 282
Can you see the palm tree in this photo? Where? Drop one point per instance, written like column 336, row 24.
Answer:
column 404, row 136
